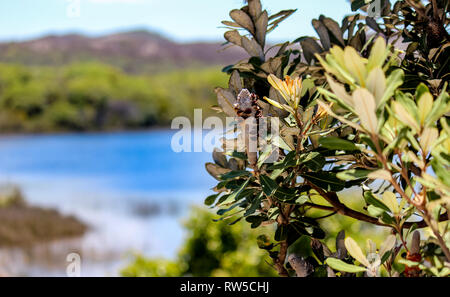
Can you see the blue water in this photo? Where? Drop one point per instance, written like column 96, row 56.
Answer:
column 104, row 178
column 138, row 161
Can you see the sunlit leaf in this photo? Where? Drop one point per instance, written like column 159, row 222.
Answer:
column 365, row 107
column 355, row 251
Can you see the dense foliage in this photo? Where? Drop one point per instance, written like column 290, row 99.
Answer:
column 364, row 107
column 93, row 96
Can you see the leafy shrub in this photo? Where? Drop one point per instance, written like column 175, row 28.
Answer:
column 355, row 111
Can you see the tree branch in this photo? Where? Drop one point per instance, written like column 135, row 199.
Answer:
column 342, row 209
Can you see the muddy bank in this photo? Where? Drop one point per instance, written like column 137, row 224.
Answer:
column 23, row 225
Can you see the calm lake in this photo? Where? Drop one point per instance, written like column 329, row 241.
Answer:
column 130, row 188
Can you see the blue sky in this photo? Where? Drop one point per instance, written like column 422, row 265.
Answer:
column 188, row 20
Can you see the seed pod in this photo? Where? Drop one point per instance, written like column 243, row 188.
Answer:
column 301, row 267
column 415, row 243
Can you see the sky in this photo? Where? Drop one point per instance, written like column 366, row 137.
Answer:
column 180, row 20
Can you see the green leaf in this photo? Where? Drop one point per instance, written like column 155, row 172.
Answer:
column 393, row 81
column 313, row 161
column 442, row 173
column 387, row 219
column 372, row 200
column 325, row 180
column 357, row 4
column 268, row 185
column 353, row 174
column 273, row 213
column 225, row 210
column 335, row 143
column 287, row 162
column 234, row 174
column 264, row 242
column 235, row 194
column 281, row 233
column 440, row 107
column 408, row 262
column 255, row 221
column 211, row 199
column 340, row 265
column 265, row 154
column 385, row 257
column 355, row 251
column 375, row 211
column 318, row 233
column 238, row 155
column 284, row 194
column 301, row 200
column 255, row 204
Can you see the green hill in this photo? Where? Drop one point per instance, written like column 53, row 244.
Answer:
column 96, row 96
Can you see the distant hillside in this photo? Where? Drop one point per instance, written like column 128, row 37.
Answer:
column 134, row 52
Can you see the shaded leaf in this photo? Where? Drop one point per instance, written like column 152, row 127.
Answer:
column 323, row 34
column 268, row 185
column 335, row 143
column 325, row 180
column 310, row 48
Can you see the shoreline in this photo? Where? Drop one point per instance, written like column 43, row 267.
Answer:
column 25, row 225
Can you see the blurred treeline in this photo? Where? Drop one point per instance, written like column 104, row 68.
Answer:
column 95, row 96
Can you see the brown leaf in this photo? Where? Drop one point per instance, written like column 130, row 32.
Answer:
column 310, row 47
column 261, row 28
column 235, row 83
column 243, row 20
column 226, row 100
column 252, row 47
column 215, row 170
column 233, row 37
column 254, row 8
column 220, row 158
column 230, row 24
column 334, row 28
column 323, row 34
